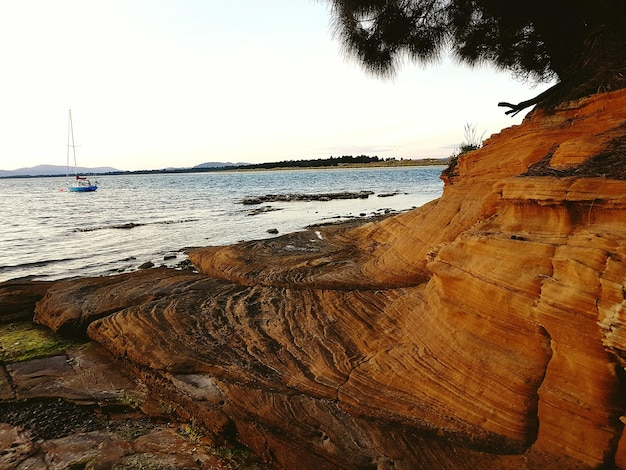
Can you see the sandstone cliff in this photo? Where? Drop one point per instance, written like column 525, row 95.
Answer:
column 486, row 329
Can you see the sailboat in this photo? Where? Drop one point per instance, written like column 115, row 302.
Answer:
column 81, row 184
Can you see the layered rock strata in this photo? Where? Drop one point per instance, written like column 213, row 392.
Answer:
column 486, row 329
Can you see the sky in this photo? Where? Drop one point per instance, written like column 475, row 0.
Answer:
column 175, row 83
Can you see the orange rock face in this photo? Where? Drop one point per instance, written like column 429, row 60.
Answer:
column 486, row 329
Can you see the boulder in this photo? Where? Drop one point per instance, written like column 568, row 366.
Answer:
column 19, row 297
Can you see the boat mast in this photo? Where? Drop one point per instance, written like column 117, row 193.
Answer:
column 67, row 159
column 70, row 134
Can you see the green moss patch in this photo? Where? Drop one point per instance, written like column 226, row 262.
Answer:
column 25, row 341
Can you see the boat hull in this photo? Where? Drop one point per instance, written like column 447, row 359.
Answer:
column 82, row 189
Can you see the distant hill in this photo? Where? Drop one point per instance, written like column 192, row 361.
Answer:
column 50, row 170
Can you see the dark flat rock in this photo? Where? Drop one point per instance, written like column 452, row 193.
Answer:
column 86, row 375
column 18, row 299
column 47, row 377
column 6, row 393
column 306, row 197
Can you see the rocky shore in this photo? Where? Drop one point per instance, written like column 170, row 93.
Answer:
column 68, row 403
column 253, row 200
column 486, row 329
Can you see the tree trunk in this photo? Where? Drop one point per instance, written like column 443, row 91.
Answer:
column 596, row 39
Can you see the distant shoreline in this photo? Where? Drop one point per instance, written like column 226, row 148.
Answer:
column 341, row 166
column 296, row 165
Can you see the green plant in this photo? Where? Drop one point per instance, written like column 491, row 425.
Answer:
column 26, row 341
column 232, row 453
column 472, row 140
column 192, row 431
column 166, row 409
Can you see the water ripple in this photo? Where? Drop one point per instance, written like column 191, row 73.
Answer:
column 51, row 234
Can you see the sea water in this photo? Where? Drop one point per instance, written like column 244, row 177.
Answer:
column 47, row 232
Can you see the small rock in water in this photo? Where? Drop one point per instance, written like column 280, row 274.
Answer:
column 251, row 200
column 272, row 231
column 186, row 265
column 170, row 256
column 146, row 265
column 263, row 209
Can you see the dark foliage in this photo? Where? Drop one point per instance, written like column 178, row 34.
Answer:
column 580, row 43
column 314, row 163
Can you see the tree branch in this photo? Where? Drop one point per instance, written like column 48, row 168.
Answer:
column 516, row 108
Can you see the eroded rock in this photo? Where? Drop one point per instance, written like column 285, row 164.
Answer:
column 71, row 305
column 19, row 297
column 484, row 329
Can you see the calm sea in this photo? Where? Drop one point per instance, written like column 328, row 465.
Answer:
column 47, row 233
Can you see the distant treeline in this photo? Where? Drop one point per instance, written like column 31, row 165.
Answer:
column 316, row 163
column 345, row 160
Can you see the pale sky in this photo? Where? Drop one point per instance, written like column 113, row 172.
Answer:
column 160, row 83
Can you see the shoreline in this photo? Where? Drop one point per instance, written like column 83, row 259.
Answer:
column 235, row 169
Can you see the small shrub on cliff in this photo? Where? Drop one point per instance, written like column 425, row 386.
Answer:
column 472, row 142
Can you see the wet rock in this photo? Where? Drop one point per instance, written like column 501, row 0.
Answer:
column 305, row 197
column 391, row 194
column 185, row 265
column 263, row 210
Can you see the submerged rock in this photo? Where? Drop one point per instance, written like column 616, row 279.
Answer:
column 305, row 197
